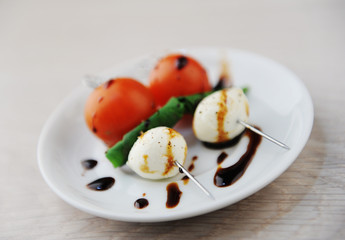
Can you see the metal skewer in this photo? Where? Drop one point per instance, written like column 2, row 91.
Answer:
column 194, row 180
column 263, row 134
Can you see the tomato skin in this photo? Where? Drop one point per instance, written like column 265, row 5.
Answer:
column 116, row 107
column 177, row 75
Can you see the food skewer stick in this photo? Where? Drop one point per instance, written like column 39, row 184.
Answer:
column 250, row 127
column 194, row 180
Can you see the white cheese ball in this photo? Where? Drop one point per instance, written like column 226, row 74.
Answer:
column 155, row 151
column 215, row 118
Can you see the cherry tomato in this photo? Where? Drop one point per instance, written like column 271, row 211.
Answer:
column 116, row 107
column 177, row 75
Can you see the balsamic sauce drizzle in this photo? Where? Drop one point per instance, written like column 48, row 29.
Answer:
column 225, row 177
column 174, row 195
column 185, row 179
column 141, row 203
column 89, row 164
column 221, row 158
column 101, row 184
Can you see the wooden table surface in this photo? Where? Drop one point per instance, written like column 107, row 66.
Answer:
column 47, row 47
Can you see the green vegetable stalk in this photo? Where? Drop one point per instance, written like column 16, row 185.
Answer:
column 167, row 116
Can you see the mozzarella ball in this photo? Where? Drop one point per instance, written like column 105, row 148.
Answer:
column 155, row 151
column 215, row 118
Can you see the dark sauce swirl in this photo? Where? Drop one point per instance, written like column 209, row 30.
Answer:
column 141, row 203
column 222, row 157
column 101, row 184
column 174, row 195
column 89, row 164
column 225, row 177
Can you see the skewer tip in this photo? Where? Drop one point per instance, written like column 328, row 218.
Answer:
column 181, row 168
column 252, row 128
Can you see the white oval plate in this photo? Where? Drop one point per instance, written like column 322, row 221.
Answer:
column 279, row 104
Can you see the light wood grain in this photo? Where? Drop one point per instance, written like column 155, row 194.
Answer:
column 46, row 47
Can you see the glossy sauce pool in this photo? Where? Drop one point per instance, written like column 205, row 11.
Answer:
column 225, row 177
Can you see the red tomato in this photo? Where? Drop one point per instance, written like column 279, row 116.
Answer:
column 177, row 75
column 116, row 107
